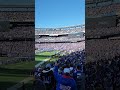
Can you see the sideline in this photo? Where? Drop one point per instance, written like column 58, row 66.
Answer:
column 18, row 85
column 26, row 80
column 40, row 63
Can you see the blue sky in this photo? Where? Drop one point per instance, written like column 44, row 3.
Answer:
column 59, row 13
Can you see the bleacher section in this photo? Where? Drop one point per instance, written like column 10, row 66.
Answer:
column 102, row 45
column 66, row 34
column 18, row 40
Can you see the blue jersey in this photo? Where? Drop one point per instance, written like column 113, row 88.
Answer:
column 64, row 82
column 78, row 76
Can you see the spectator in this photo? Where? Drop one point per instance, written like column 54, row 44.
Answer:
column 64, row 82
column 78, row 76
column 48, row 78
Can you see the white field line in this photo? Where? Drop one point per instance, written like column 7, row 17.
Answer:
column 37, row 65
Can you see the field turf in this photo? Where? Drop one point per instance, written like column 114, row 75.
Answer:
column 14, row 73
column 41, row 56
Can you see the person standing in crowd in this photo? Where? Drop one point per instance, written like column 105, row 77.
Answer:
column 47, row 77
column 65, row 81
column 79, row 77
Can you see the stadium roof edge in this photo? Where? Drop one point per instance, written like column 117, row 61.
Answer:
column 82, row 26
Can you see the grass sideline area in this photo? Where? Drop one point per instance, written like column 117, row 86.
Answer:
column 14, row 73
column 47, row 53
column 40, row 56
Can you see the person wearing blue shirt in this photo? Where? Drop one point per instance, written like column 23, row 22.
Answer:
column 64, row 82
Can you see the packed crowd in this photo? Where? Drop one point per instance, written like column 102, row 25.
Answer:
column 102, row 9
column 18, row 32
column 103, row 75
column 102, row 49
column 59, row 39
column 102, row 68
column 67, row 73
column 17, row 16
column 12, row 50
column 13, row 45
column 61, row 46
column 21, row 49
column 97, row 33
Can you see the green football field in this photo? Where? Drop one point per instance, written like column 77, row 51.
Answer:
column 41, row 56
column 14, row 73
column 47, row 53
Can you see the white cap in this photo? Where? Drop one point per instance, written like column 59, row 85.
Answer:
column 52, row 69
column 71, row 68
column 66, row 70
